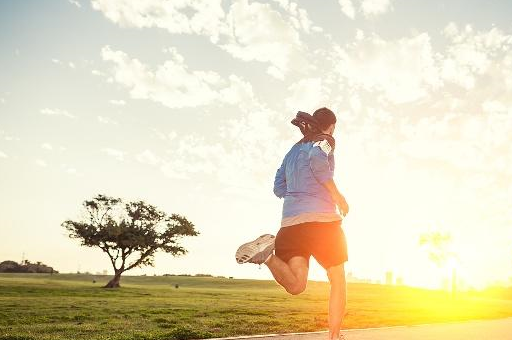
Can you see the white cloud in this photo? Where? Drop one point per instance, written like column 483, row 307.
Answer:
column 203, row 17
column 70, row 170
column 117, row 102
column 347, row 7
column 355, row 102
column 375, row 7
column 165, row 136
column 75, row 2
column 173, row 84
column 359, row 34
column 507, row 70
column 275, row 72
column 2, row 100
column 369, row 8
column 117, row 154
column 56, row 112
column 47, row 146
column 97, row 73
column 50, row 147
column 238, row 91
column 470, row 54
column 3, row 154
column 306, row 95
column 451, row 30
column 148, row 157
column 471, row 144
column 106, row 120
column 260, row 33
column 235, row 160
column 298, row 17
column 41, row 162
column 60, row 62
column 403, row 70
column 8, row 137
column 495, row 106
column 192, row 155
column 249, row 31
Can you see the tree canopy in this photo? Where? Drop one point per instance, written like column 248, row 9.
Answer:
column 129, row 233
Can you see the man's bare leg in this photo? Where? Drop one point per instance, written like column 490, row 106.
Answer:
column 293, row 276
column 337, row 299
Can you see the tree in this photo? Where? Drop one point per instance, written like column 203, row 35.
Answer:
column 437, row 245
column 439, row 249
column 129, row 233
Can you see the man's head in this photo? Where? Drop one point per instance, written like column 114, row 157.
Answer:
column 326, row 120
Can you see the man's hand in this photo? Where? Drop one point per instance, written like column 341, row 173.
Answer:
column 343, row 206
column 340, row 200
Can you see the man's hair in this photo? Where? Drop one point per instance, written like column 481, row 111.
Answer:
column 324, row 117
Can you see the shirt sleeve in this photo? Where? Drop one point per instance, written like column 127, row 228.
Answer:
column 320, row 165
column 280, row 182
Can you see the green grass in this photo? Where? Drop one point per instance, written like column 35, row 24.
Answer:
column 69, row 306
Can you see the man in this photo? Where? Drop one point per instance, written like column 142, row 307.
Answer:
column 311, row 224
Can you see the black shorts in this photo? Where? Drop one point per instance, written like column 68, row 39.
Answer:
column 324, row 240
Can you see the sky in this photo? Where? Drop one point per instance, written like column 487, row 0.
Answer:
column 187, row 106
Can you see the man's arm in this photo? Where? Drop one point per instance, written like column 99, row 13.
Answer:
column 336, row 196
column 324, row 174
column 280, row 182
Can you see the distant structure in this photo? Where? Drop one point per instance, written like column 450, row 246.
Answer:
column 389, row 277
column 399, row 281
column 25, row 267
column 353, row 279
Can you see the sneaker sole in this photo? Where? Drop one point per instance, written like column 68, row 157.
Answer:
column 247, row 250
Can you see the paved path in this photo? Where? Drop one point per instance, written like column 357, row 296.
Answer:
column 471, row 330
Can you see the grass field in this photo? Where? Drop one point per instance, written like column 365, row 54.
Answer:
column 69, row 306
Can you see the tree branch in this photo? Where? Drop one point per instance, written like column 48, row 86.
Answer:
column 106, row 211
column 142, row 257
column 107, row 250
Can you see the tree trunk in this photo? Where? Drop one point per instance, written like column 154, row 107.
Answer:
column 114, row 283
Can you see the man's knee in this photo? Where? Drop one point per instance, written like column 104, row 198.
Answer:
column 297, row 288
column 299, row 267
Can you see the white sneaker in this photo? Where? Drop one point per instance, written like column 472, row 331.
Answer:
column 256, row 251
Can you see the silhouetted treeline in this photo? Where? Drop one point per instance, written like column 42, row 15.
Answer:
column 25, row 267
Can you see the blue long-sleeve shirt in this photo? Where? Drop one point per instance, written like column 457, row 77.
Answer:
column 299, row 181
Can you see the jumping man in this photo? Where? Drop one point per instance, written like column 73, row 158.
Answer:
column 311, row 224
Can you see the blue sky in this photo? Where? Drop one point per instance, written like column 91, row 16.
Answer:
column 188, row 108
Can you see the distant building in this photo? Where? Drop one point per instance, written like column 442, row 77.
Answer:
column 351, row 278
column 389, row 278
